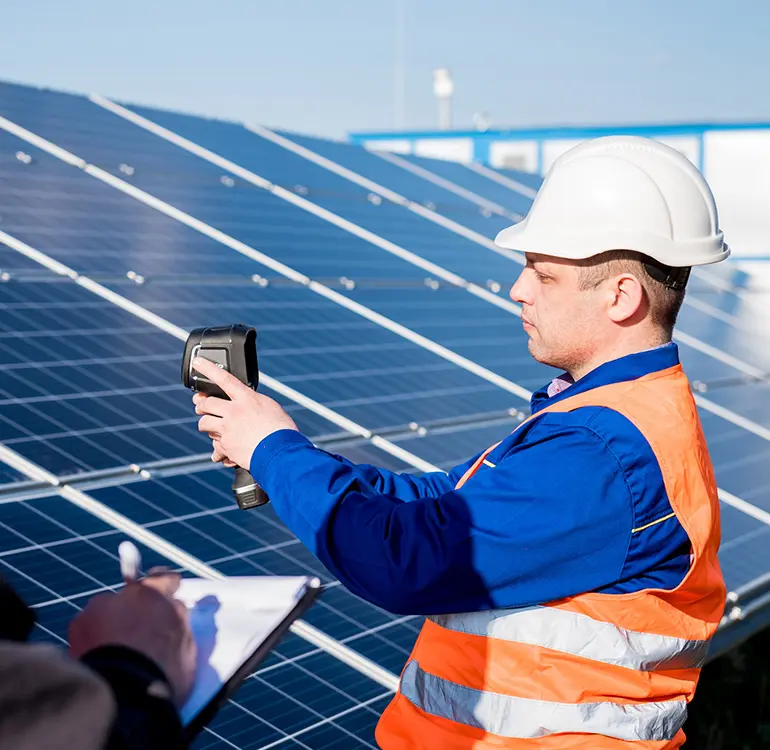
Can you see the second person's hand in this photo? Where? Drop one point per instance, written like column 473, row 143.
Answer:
column 145, row 617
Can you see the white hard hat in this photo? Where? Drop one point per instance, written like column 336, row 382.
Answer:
column 622, row 193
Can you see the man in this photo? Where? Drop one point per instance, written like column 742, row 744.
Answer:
column 134, row 663
column 569, row 572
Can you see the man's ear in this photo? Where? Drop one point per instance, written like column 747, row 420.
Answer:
column 628, row 298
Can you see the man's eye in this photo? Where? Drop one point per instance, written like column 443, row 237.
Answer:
column 541, row 277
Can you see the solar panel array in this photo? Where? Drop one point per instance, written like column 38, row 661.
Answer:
column 384, row 328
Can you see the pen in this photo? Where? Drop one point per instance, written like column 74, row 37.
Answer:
column 130, row 561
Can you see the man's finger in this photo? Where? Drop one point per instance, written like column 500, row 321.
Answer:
column 218, row 454
column 181, row 610
column 227, row 382
column 210, row 424
column 165, row 583
column 159, row 570
column 212, row 405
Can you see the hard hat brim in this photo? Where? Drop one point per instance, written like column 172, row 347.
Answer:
column 559, row 244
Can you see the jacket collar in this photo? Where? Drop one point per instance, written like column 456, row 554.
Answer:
column 626, row 368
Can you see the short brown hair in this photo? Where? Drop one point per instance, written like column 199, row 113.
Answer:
column 664, row 302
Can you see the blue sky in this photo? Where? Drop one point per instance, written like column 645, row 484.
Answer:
column 327, row 67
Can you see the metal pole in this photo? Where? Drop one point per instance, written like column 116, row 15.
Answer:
column 399, row 68
column 445, row 113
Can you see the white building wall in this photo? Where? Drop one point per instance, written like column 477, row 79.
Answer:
column 737, row 166
column 520, row 155
column 689, row 145
column 397, row 146
column 449, row 149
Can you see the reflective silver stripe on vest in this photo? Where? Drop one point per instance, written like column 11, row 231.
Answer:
column 524, row 718
column 580, row 635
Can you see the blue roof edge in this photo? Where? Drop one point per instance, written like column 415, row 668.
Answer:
column 565, row 131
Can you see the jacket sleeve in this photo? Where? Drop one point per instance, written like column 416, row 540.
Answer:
column 145, row 715
column 404, row 486
column 528, row 531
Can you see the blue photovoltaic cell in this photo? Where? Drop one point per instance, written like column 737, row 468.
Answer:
column 463, row 176
column 525, row 178
column 726, row 291
column 451, row 446
column 741, row 459
column 745, row 547
column 12, row 263
column 751, row 397
column 85, row 385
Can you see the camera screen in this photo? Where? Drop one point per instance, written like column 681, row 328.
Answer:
column 217, row 356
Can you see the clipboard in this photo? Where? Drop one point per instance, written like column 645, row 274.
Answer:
column 194, row 723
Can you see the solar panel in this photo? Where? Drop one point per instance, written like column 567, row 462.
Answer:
column 476, row 179
column 88, row 386
column 253, row 216
column 71, row 365
column 525, row 178
column 282, row 167
column 90, row 389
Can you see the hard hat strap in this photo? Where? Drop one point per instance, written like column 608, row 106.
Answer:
column 672, row 278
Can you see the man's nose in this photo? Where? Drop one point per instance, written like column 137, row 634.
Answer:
column 519, row 292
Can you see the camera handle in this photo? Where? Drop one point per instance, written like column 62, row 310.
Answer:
column 248, row 494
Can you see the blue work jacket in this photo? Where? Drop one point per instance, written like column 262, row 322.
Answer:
column 560, row 507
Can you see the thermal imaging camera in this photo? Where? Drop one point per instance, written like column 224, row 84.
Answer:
column 233, row 348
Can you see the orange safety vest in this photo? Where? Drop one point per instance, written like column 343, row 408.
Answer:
column 599, row 671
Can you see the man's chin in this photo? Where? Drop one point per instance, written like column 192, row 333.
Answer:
column 539, row 355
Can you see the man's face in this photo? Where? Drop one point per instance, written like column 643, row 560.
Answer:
column 564, row 322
